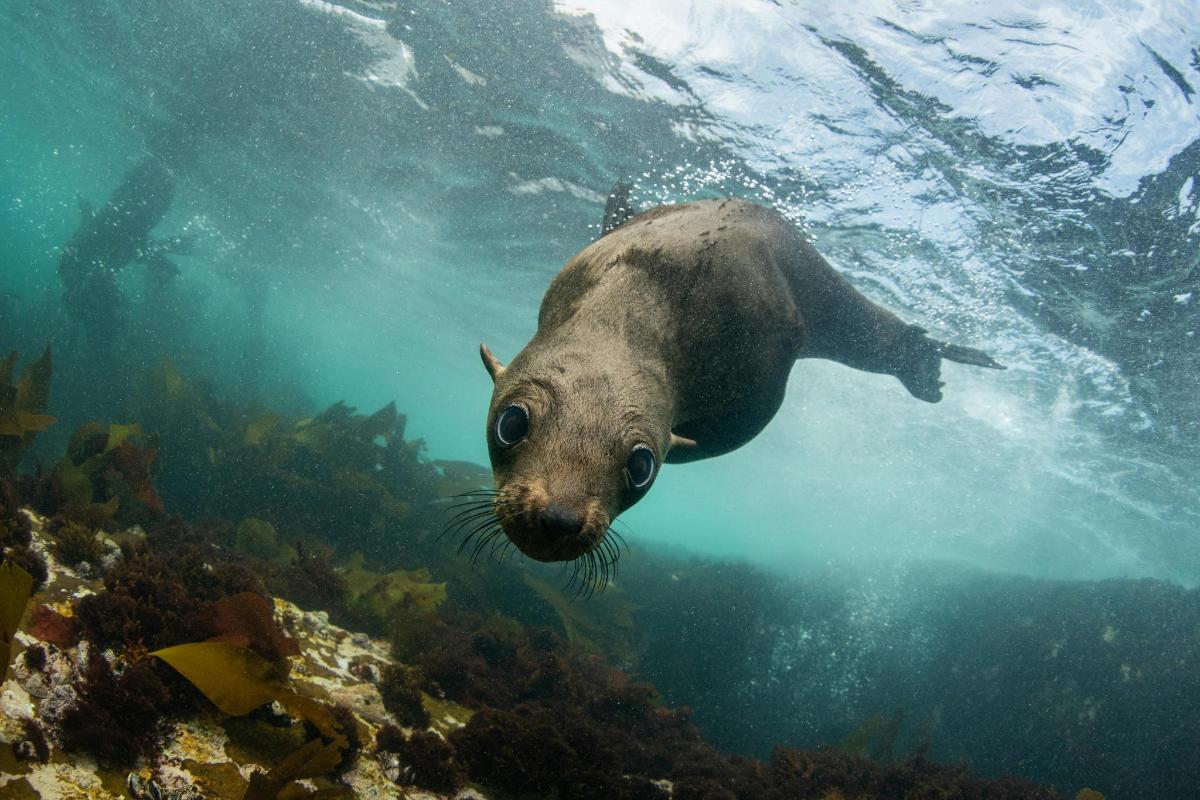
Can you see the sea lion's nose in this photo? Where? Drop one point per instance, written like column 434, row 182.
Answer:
column 558, row 521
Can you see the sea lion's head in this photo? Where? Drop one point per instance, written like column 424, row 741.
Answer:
column 572, row 445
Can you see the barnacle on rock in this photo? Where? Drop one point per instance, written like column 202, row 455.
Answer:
column 32, row 746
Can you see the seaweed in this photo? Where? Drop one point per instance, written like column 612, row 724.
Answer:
column 517, row 753
column 48, row 625
column 119, row 715
column 402, row 697
column 248, row 619
column 21, row 407
column 312, row 582
column 16, row 586
column 106, row 476
column 345, row 722
column 235, row 678
column 427, row 760
column 32, row 746
column 16, row 536
column 75, row 543
column 313, row 759
column 259, row 539
column 377, row 599
column 876, row 737
column 145, row 602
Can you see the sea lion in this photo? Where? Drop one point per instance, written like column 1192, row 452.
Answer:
column 670, row 338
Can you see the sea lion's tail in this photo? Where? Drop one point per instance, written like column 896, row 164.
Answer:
column 920, row 363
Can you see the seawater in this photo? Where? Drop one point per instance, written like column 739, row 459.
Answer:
column 373, row 188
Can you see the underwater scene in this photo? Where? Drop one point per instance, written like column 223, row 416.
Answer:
column 728, row 400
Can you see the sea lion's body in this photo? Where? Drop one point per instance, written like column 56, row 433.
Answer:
column 675, row 331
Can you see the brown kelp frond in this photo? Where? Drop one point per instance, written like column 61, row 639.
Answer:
column 375, row 598
column 21, row 407
column 235, row 678
column 238, row 680
column 16, row 586
column 105, row 475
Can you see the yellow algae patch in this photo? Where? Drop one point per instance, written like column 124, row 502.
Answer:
column 217, row 780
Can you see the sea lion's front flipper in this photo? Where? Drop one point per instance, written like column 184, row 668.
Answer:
column 920, row 363
column 618, row 208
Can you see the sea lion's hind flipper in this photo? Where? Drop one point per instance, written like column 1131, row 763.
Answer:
column 618, row 208
column 920, row 363
column 968, row 355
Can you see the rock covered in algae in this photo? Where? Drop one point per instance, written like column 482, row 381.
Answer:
column 205, row 755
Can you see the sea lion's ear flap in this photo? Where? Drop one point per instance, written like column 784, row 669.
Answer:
column 680, row 441
column 490, row 362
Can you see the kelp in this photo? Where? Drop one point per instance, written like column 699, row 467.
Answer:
column 235, row 678
column 315, row 758
column 21, row 407
column 258, row 538
column 876, row 736
column 377, row 599
column 16, row 586
column 106, row 472
column 339, row 477
column 602, row 624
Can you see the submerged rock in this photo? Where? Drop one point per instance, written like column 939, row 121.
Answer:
column 204, row 755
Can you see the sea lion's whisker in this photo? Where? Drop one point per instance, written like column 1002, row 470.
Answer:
column 481, row 503
column 616, row 555
column 478, row 529
column 483, row 527
column 612, row 555
column 597, row 564
column 618, row 535
column 607, row 562
column 483, row 542
column 499, row 545
column 504, row 551
column 590, row 583
column 574, row 575
column 472, row 492
column 465, row 516
column 468, row 517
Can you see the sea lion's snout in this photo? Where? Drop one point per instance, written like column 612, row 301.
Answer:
column 549, row 529
column 557, row 521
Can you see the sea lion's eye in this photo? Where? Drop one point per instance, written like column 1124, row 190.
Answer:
column 512, row 425
column 641, row 466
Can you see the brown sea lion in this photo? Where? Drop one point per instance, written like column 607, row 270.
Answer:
column 671, row 338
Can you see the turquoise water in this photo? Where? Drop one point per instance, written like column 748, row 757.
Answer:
column 396, row 183
column 373, row 188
